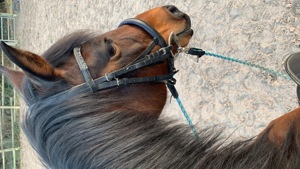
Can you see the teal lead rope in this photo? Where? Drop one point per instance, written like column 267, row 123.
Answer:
column 170, row 85
column 273, row 72
column 187, row 117
column 199, row 52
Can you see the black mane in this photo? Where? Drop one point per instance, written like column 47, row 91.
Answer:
column 85, row 133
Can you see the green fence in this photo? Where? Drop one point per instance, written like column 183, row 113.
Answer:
column 9, row 125
column 8, row 28
column 9, row 105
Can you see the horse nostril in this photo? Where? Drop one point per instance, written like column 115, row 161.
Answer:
column 174, row 10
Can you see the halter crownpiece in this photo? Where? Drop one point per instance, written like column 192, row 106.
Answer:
column 84, row 69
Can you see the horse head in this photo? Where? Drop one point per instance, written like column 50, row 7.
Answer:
column 56, row 70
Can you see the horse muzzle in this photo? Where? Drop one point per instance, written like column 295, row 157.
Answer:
column 177, row 13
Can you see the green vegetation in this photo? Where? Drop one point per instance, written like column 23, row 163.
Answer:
column 3, row 6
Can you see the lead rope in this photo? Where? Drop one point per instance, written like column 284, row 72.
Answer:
column 199, row 52
column 174, row 93
column 172, row 89
column 273, row 72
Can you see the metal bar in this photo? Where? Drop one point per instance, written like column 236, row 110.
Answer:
column 9, row 107
column 5, row 14
column 10, row 149
column 14, row 159
column 3, row 159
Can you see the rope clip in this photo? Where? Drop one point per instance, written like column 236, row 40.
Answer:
column 188, row 50
column 170, row 85
column 195, row 51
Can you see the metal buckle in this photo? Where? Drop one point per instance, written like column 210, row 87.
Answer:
column 118, row 82
column 106, row 77
column 164, row 51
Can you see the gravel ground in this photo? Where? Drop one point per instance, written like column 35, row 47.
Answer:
column 240, row 99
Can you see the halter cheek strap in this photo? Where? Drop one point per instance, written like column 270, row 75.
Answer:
column 84, row 70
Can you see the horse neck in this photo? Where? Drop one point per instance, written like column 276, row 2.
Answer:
column 146, row 98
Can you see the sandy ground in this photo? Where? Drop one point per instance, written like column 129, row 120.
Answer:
column 240, row 99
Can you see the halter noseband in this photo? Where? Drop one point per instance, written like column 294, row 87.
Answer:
column 147, row 28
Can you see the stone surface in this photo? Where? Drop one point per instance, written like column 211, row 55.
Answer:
column 215, row 92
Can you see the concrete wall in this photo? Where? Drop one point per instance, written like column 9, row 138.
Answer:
column 240, row 99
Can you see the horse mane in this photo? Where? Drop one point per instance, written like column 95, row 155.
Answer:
column 59, row 52
column 83, row 132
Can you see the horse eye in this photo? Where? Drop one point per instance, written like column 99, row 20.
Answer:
column 110, row 46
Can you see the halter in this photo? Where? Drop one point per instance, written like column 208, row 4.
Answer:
column 144, row 59
column 115, row 79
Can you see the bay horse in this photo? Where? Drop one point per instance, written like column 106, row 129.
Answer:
column 94, row 102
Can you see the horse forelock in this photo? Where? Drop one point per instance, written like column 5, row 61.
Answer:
column 63, row 48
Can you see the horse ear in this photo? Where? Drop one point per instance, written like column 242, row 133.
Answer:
column 15, row 77
column 37, row 69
